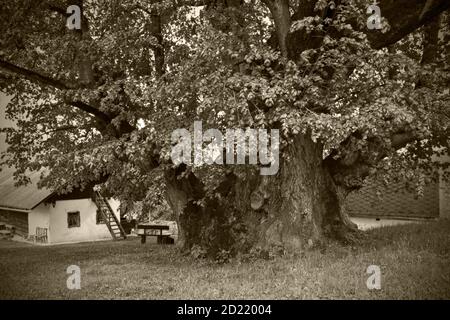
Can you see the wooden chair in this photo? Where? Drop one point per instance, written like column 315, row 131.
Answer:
column 41, row 235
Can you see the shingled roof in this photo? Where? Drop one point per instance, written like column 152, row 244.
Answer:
column 22, row 197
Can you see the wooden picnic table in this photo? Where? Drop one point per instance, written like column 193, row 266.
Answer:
column 152, row 230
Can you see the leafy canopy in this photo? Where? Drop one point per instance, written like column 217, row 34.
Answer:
column 100, row 104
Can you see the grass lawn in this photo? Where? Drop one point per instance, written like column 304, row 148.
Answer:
column 414, row 261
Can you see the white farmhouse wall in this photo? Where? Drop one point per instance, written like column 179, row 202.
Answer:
column 38, row 217
column 89, row 230
column 115, row 204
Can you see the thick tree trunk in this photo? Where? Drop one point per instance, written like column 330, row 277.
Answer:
column 304, row 206
column 298, row 208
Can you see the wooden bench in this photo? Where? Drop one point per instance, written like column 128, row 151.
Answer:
column 152, row 230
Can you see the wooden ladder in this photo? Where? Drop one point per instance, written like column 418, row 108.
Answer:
column 113, row 224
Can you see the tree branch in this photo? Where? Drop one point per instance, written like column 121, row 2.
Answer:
column 34, row 76
column 91, row 110
column 350, row 169
column 282, row 18
column 404, row 17
column 42, row 80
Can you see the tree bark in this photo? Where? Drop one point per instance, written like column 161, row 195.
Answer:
column 298, row 208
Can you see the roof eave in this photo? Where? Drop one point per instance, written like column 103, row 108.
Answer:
column 15, row 209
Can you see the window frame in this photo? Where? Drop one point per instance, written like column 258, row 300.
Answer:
column 78, row 220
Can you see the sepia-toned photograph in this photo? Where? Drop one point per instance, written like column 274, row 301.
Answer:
column 243, row 151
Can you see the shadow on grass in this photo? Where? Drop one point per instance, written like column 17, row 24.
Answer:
column 414, row 260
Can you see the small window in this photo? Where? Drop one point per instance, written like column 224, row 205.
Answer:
column 73, row 219
column 99, row 218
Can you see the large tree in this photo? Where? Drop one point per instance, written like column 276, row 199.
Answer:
column 99, row 105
